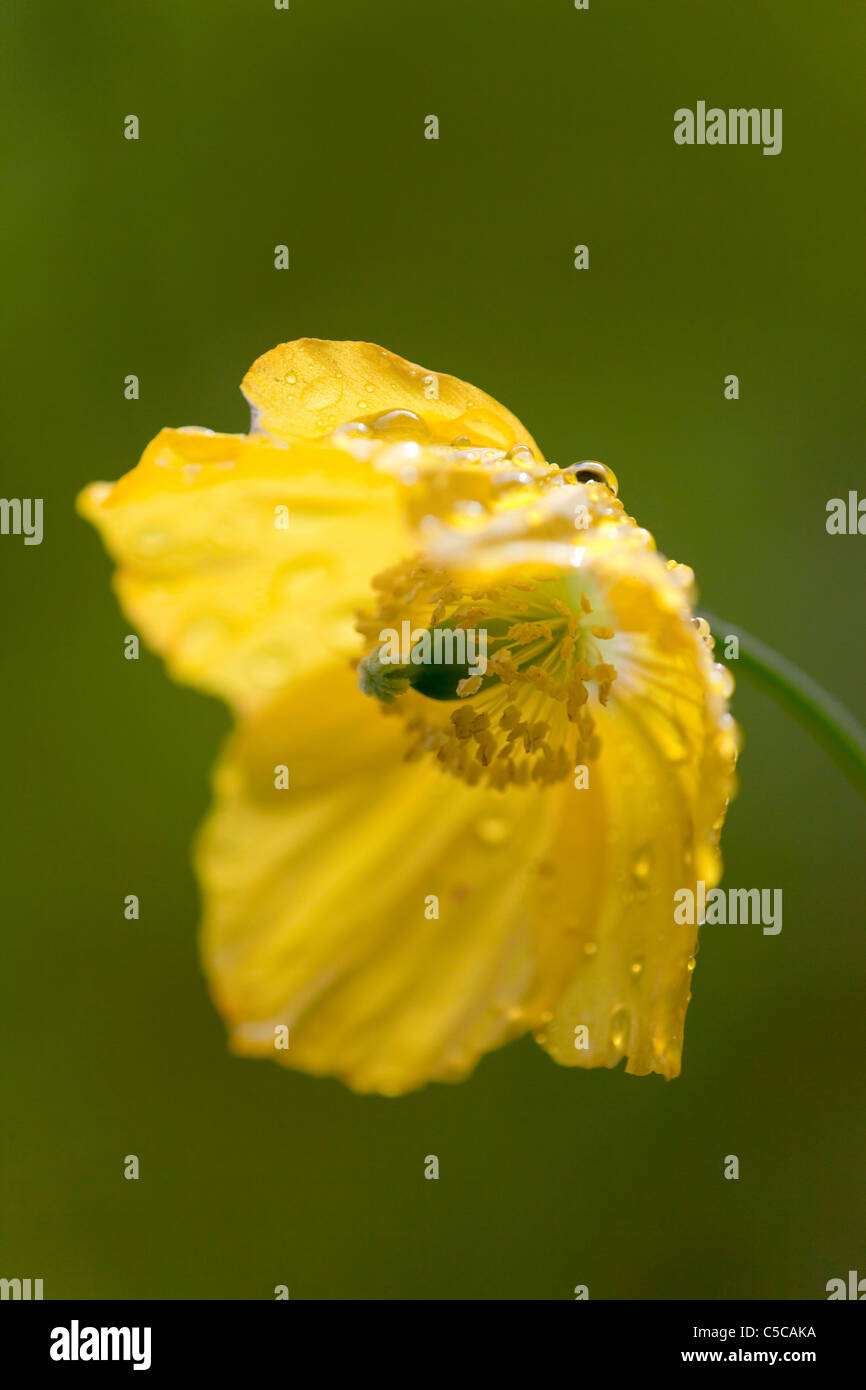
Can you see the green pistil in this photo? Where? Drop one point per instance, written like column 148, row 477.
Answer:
column 383, row 681
column 439, row 680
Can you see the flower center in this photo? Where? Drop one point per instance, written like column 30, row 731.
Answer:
column 495, row 682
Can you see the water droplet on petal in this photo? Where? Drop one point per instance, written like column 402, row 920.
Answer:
column 324, row 391
column 591, row 471
column 268, row 669
column 151, row 542
column 521, row 453
column 492, row 830
column 682, row 575
column 399, row 424
column 620, row 1028
column 722, row 681
column 351, row 429
column 641, row 865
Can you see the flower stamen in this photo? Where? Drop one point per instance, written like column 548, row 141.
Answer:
column 527, row 716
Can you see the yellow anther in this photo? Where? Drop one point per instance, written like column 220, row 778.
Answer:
column 540, row 658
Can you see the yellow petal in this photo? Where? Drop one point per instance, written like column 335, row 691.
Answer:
column 601, row 666
column 553, row 901
column 320, row 899
column 235, row 596
column 629, row 992
column 243, row 562
column 306, row 389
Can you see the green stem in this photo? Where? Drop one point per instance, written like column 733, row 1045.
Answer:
column 818, row 712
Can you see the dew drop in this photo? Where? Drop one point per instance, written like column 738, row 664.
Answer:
column 399, row 424
column 325, row 391
column 620, row 1028
column 351, row 429
column 641, row 866
column 636, row 966
column 589, row 948
column 683, row 575
column 591, row 471
column 151, row 542
column 691, row 964
column 200, row 637
column 267, row 669
column 722, row 681
column 492, row 830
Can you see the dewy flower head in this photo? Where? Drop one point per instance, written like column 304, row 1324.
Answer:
column 410, row 862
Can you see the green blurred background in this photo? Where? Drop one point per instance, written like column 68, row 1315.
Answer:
column 305, row 127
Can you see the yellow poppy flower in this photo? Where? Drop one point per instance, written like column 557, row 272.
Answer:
column 406, row 863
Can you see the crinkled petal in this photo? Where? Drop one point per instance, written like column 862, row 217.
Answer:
column 629, row 992
column 321, row 899
column 241, row 562
column 647, row 711
column 401, row 917
column 665, row 775
column 306, row 389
